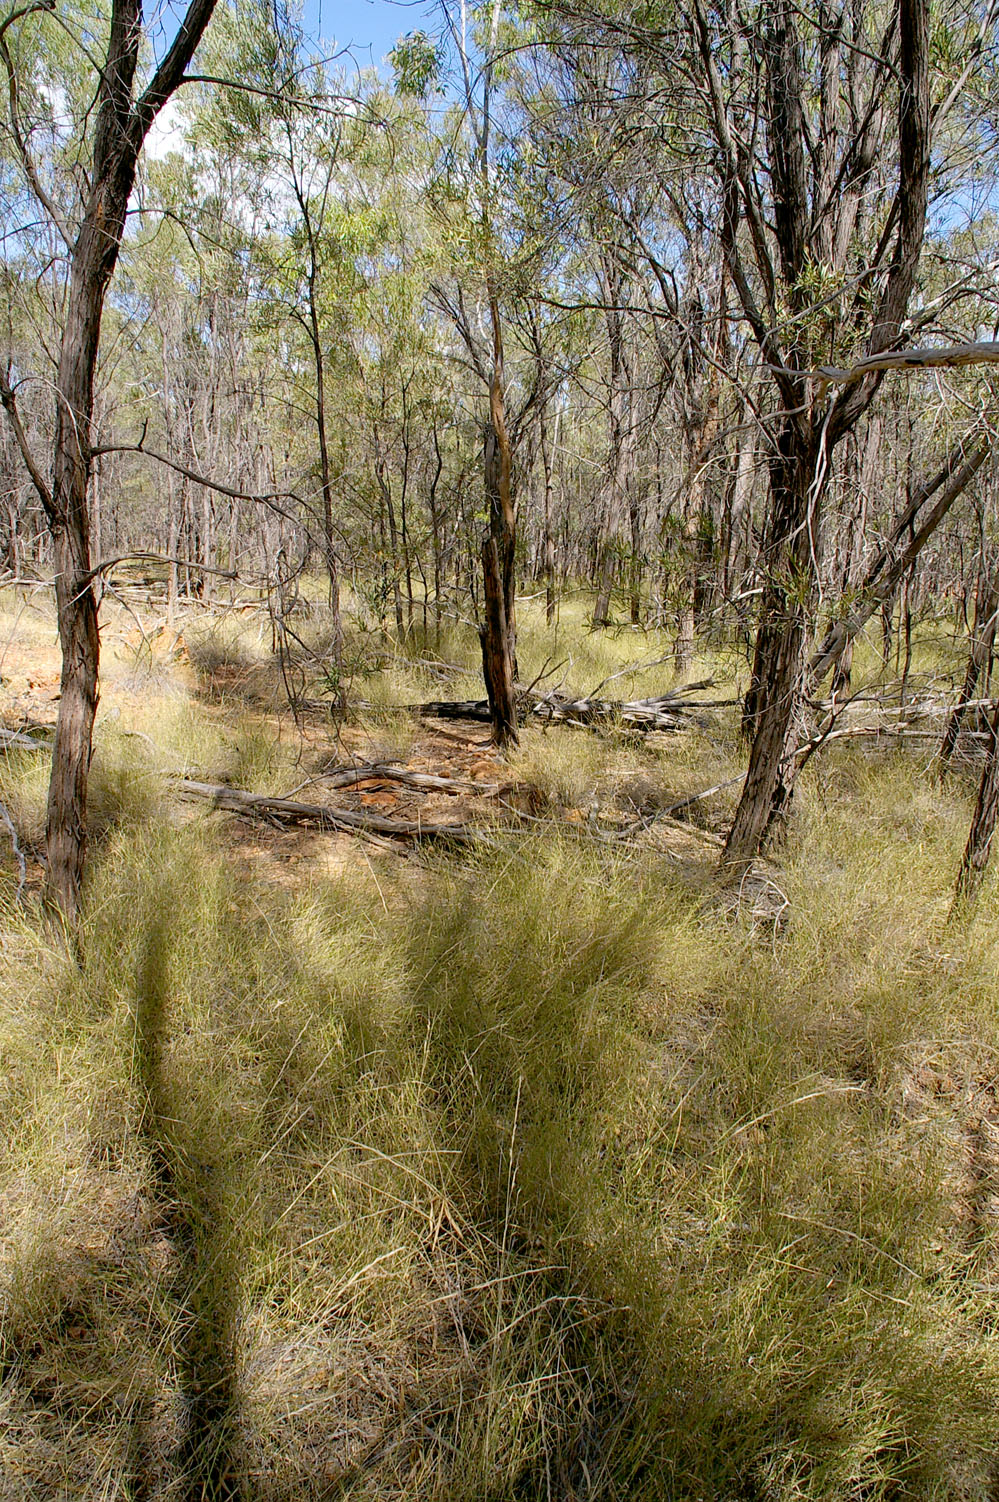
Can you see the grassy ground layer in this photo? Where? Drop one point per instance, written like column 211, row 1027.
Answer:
column 535, row 1172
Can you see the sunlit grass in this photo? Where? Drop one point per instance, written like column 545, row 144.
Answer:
column 531, row 1172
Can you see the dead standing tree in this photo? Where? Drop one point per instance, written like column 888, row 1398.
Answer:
column 121, row 122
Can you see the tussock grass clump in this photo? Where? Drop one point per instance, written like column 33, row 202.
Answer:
column 230, row 664
column 540, row 1175
column 125, row 786
column 572, row 769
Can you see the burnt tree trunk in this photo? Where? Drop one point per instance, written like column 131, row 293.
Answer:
column 497, row 665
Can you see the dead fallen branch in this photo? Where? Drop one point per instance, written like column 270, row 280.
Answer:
column 670, row 711
column 17, row 740
column 669, row 814
column 453, row 709
column 289, row 811
column 343, row 777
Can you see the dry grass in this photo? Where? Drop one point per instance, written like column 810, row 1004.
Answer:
column 531, row 1174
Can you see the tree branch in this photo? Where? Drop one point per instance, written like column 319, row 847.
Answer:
column 170, row 72
column 984, row 352
column 19, row 137
column 8, row 400
column 191, row 474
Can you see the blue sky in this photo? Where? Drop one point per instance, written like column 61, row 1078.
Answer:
column 370, row 28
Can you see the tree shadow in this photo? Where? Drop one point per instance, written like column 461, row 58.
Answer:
column 189, row 1183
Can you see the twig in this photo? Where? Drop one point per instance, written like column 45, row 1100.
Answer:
column 676, row 808
column 22, row 867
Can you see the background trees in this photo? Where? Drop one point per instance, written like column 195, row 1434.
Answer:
column 574, row 292
column 84, row 208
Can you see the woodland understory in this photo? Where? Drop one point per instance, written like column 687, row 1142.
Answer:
column 343, row 1164
column 499, row 754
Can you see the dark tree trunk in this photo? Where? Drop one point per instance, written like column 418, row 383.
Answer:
column 975, row 860
column 616, row 503
column 772, row 701
column 549, row 540
column 983, row 637
column 497, row 667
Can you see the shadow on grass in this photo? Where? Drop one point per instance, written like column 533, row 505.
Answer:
column 189, row 1173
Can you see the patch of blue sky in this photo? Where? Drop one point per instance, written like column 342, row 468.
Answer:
column 366, row 30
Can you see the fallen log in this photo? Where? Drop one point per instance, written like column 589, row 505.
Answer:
column 289, row 811
column 665, row 712
column 454, row 709
column 342, row 777
column 10, row 739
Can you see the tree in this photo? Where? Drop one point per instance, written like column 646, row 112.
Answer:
column 92, row 241
column 498, row 631
column 794, row 243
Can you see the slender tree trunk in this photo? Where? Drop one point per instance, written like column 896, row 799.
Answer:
column 94, row 256
column 499, row 486
column 548, row 539
column 975, row 860
column 983, row 637
column 498, row 631
column 330, row 560
column 635, row 562
column 497, row 669
column 173, row 544
column 120, row 126
column 76, row 604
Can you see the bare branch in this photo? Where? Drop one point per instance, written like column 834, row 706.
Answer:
column 8, row 400
column 143, row 557
column 191, row 474
column 985, row 352
column 170, row 72
column 17, row 130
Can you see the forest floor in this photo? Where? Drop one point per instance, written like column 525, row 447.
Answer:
column 533, row 1167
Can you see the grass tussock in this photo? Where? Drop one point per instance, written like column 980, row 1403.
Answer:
column 531, row 1174
column 546, row 1183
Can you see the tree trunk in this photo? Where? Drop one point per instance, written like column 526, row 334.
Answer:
column 772, row 702
column 497, row 665
column 974, row 862
column 548, row 540
column 621, row 441
column 94, row 256
column 983, row 637
column 66, row 817
column 120, row 127
column 498, row 456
